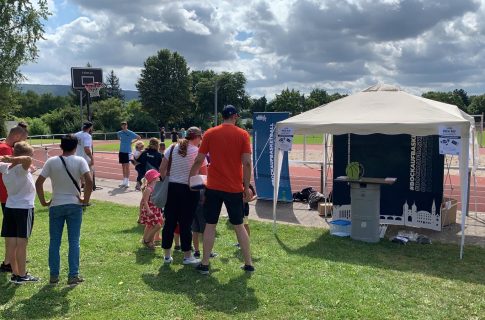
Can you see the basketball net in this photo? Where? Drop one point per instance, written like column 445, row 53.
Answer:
column 94, row 88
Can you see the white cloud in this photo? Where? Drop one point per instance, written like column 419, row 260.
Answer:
column 335, row 45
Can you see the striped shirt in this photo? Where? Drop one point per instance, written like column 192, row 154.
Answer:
column 179, row 172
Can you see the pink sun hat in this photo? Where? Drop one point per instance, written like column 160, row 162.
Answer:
column 151, row 175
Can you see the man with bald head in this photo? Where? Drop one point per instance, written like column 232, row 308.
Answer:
column 15, row 135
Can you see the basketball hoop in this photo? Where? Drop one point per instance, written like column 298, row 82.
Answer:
column 94, row 88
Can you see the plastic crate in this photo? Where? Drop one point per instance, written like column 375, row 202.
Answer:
column 340, row 228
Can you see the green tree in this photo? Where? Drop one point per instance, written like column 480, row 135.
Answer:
column 64, row 120
column 203, row 90
column 288, row 100
column 20, row 29
column 108, row 114
column 454, row 98
column 259, row 105
column 232, row 91
column 477, row 105
column 113, row 89
column 164, row 87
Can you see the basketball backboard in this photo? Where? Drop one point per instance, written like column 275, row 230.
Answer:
column 80, row 76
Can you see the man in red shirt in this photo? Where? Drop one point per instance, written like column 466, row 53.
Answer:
column 16, row 134
column 228, row 180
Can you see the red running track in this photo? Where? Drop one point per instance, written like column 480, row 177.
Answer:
column 107, row 167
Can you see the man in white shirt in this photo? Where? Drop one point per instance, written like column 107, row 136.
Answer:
column 84, row 147
column 66, row 205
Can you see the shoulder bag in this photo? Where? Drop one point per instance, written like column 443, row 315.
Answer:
column 73, row 180
column 160, row 191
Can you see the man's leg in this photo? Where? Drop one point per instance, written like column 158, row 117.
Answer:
column 208, row 241
column 21, row 255
column 6, row 260
column 11, row 245
column 56, row 225
column 243, row 239
column 74, row 220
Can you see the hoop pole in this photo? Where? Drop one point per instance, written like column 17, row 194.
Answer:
column 81, row 106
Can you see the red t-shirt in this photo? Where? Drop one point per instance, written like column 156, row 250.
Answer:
column 225, row 145
column 5, row 150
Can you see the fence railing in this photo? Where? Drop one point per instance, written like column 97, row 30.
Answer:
column 49, row 139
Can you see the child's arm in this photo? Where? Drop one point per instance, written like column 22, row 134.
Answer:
column 144, row 200
column 25, row 161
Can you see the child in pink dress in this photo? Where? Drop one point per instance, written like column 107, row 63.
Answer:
column 150, row 215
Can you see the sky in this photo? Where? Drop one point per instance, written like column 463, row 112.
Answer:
column 341, row 46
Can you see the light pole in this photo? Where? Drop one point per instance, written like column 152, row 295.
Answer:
column 216, row 85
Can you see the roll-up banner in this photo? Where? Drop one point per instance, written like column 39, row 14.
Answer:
column 264, row 148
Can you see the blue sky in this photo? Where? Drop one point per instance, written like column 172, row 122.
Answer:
column 341, row 46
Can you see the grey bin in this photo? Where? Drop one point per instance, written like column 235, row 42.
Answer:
column 365, row 211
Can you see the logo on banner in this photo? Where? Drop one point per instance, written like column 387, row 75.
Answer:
column 284, row 139
column 449, row 140
column 261, row 117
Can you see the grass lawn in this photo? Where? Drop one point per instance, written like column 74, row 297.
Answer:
column 302, row 273
column 38, row 141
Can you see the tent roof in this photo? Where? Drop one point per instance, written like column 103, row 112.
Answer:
column 380, row 109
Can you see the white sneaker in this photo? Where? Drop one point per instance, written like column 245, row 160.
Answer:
column 167, row 260
column 191, row 260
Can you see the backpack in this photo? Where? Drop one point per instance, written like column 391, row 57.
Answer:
column 314, row 198
column 303, row 194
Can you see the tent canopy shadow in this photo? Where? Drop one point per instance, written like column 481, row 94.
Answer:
column 285, row 211
column 437, row 260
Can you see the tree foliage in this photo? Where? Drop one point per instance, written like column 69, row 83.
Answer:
column 113, row 89
column 64, row 120
column 108, row 114
column 164, row 87
column 458, row 98
column 288, row 100
column 477, row 105
column 20, row 29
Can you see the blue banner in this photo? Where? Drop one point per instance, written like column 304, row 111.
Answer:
column 264, row 133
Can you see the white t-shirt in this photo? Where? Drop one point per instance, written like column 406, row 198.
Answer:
column 180, row 170
column 84, row 139
column 63, row 189
column 20, row 186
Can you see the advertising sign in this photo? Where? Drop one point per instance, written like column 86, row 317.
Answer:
column 264, row 148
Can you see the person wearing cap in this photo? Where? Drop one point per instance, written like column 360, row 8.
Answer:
column 230, row 155
column 127, row 137
column 84, row 147
column 150, row 215
column 181, row 200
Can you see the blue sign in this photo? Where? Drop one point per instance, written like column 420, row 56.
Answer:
column 264, row 133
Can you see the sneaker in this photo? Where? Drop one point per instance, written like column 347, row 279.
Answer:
column 13, row 278
column 25, row 279
column 213, row 255
column 247, row 268
column 178, row 248
column 197, row 254
column 167, row 260
column 237, row 245
column 191, row 260
column 72, row 281
column 54, row 280
column 203, row 269
column 5, row 267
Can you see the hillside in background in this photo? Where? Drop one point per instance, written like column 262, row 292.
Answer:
column 63, row 90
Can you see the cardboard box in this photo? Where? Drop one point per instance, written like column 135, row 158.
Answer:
column 448, row 211
column 322, row 206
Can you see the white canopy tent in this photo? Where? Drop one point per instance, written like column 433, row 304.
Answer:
column 386, row 109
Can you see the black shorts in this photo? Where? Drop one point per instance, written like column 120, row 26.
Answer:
column 17, row 223
column 123, row 157
column 198, row 225
column 3, row 208
column 213, row 206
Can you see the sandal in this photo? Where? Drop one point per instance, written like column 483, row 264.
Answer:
column 148, row 244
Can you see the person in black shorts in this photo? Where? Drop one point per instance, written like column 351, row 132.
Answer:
column 198, row 226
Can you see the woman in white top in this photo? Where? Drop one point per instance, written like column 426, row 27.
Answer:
column 181, row 201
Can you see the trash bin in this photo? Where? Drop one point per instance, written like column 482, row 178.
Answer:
column 365, row 211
